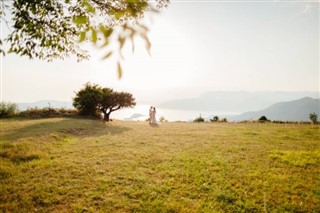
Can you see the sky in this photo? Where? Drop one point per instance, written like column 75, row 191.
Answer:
column 197, row 46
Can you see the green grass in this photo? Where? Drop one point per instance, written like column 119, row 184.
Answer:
column 75, row 165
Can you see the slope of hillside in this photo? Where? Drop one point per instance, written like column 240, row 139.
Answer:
column 297, row 110
column 84, row 165
column 235, row 101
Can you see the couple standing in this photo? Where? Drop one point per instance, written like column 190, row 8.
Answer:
column 152, row 115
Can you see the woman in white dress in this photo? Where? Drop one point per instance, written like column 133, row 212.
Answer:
column 153, row 116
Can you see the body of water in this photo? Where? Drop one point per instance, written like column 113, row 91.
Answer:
column 141, row 112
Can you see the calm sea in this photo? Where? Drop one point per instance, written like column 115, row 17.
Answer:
column 141, row 112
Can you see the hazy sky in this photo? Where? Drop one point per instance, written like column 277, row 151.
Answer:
column 197, row 46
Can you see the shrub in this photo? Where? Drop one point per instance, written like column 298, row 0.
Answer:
column 162, row 119
column 8, row 109
column 278, row 122
column 199, row 119
column 47, row 112
column 215, row 119
column 224, row 120
column 68, row 112
column 263, row 119
column 313, row 117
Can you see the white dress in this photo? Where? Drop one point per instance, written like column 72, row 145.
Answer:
column 153, row 117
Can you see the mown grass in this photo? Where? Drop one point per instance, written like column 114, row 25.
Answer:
column 77, row 165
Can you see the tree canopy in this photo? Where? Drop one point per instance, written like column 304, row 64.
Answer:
column 263, row 119
column 93, row 100
column 88, row 99
column 53, row 29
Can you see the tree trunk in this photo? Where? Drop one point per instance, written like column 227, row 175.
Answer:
column 106, row 116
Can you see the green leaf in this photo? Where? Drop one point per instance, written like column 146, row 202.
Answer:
column 119, row 14
column 80, row 19
column 121, row 41
column 82, row 36
column 103, row 29
column 89, row 7
column 105, row 43
column 94, row 36
column 107, row 55
column 119, row 70
column 107, row 32
column 2, row 52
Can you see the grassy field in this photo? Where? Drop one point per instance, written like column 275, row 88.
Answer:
column 77, row 165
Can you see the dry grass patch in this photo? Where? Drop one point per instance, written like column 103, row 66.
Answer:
column 89, row 166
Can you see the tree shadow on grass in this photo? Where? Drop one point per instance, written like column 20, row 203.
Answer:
column 23, row 144
column 69, row 127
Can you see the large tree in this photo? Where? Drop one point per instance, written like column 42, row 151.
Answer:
column 88, row 99
column 53, row 29
column 113, row 101
column 93, row 100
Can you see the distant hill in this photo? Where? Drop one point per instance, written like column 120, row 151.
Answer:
column 46, row 103
column 235, row 102
column 136, row 116
column 297, row 110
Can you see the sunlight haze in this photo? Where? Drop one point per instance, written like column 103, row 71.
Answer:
column 196, row 47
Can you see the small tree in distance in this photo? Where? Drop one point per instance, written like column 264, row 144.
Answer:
column 8, row 109
column 215, row 119
column 313, row 117
column 163, row 119
column 263, row 119
column 224, row 120
column 199, row 119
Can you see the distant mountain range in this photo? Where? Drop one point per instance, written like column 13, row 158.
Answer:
column 235, row 102
column 297, row 110
column 45, row 103
column 285, row 106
